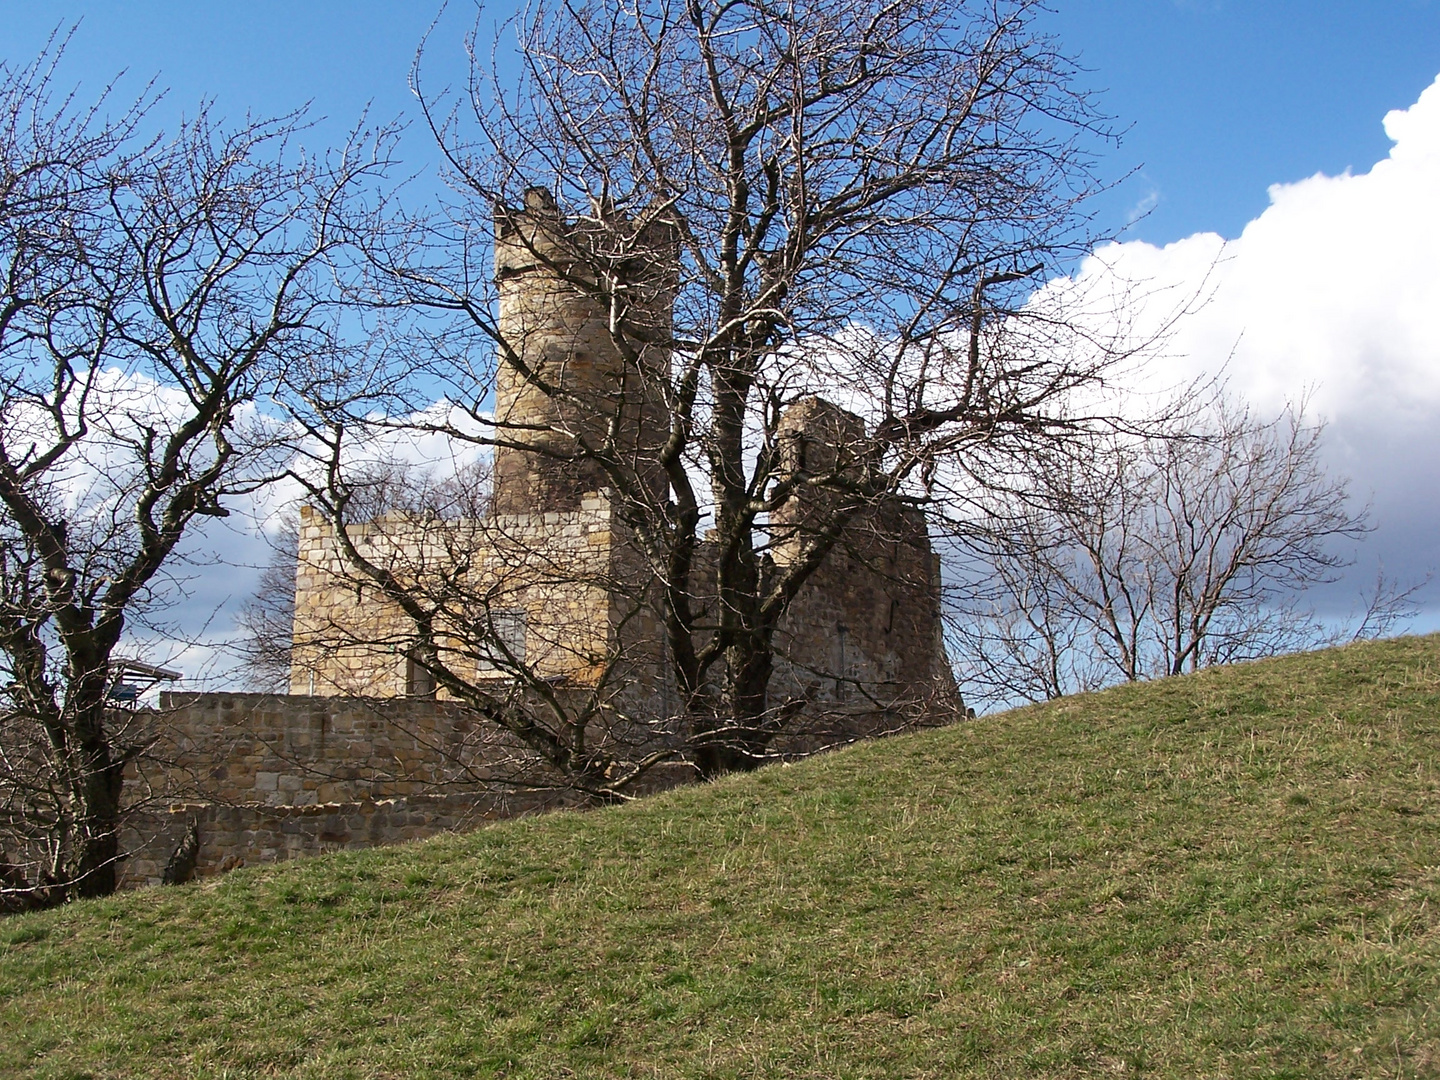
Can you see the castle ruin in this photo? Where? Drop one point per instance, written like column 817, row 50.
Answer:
column 368, row 747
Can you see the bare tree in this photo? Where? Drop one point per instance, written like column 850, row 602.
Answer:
column 266, row 619
column 753, row 206
column 154, row 290
column 1145, row 557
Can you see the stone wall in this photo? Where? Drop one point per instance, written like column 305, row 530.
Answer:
column 863, row 640
column 540, row 580
column 267, row 777
column 280, row 750
column 232, row 836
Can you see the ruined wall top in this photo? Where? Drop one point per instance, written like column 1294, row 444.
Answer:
column 816, row 435
column 537, row 236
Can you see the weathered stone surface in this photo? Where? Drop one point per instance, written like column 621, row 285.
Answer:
column 232, row 836
column 367, row 750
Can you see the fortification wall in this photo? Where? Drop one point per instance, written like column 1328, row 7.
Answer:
column 269, row 777
column 863, row 641
column 280, row 750
column 231, row 836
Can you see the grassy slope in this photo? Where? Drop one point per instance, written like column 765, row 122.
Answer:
column 1233, row 874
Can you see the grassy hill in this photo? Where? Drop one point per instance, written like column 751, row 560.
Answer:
column 1232, row 874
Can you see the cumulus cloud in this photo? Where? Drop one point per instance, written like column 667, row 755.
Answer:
column 1332, row 294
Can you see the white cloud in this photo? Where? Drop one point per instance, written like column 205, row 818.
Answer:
column 1332, row 292
column 217, row 565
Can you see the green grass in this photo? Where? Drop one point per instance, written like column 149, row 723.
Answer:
column 1233, row 874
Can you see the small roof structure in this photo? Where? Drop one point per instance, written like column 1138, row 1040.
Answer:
column 130, row 678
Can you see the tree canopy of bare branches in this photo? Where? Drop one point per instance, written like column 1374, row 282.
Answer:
column 758, row 205
column 1147, row 557
column 153, row 289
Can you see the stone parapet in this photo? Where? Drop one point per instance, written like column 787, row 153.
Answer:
column 282, row 750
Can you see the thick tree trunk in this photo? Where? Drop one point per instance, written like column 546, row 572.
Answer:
column 737, row 739
column 96, row 784
column 96, row 871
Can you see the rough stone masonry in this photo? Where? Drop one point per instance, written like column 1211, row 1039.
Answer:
column 366, row 750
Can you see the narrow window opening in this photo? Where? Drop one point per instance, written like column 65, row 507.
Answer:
column 501, row 646
column 419, row 680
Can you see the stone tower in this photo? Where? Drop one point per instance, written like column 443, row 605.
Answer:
column 585, row 318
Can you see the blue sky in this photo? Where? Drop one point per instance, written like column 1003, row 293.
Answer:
column 1225, row 97
column 1286, row 142
column 1222, row 98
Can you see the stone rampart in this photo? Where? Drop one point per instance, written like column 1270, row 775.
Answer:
column 283, row 750
column 267, row 777
column 236, row 835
